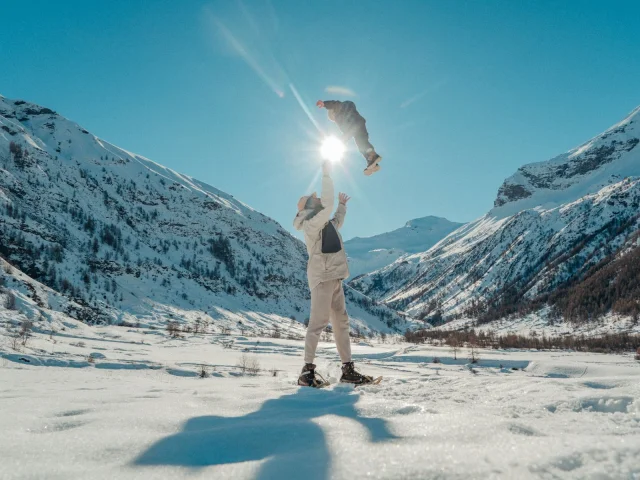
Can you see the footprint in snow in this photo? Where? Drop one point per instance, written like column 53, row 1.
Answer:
column 73, row 413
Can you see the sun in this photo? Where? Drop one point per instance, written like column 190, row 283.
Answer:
column 332, row 149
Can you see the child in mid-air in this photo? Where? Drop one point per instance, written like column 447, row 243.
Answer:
column 352, row 124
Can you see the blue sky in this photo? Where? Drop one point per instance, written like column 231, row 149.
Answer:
column 457, row 94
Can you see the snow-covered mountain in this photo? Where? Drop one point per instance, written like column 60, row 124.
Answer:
column 124, row 238
column 553, row 223
column 373, row 253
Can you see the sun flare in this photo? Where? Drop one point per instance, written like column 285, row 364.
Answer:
column 332, row 149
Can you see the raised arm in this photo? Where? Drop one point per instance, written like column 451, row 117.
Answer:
column 341, row 211
column 331, row 104
column 326, row 198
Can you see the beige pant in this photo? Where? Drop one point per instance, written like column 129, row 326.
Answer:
column 328, row 303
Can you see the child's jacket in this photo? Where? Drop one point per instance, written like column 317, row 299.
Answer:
column 346, row 116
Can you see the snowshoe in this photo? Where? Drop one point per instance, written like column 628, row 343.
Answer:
column 309, row 377
column 373, row 159
column 349, row 375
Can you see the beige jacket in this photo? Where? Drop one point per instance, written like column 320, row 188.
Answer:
column 323, row 267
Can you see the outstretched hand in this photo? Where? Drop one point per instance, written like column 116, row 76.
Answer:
column 344, row 198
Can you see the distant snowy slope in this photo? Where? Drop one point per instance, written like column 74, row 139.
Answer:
column 372, row 253
column 605, row 159
column 123, row 236
column 553, row 223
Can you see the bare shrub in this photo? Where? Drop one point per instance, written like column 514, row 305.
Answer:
column 227, row 345
column 203, row 372
column 274, row 372
column 8, row 269
column 25, row 332
column 225, row 330
column 90, row 359
column 173, row 329
column 10, row 301
column 253, row 367
column 474, row 354
column 242, row 363
column 436, row 360
column 15, row 342
column 454, row 344
column 247, row 364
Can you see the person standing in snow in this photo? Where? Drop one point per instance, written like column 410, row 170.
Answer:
column 326, row 270
column 352, row 124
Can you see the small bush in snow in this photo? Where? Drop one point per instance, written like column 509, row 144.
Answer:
column 203, row 373
column 276, row 332
column 242, row 363
column 247, row 364
column 173, row 329
column 274, row 372
column 436, row 360
column 25, row 332
column 90, row 359
column 15, row 342
column 474, row 354
column 10, row 301
column 454, row 344
column 253, row 367
column 8, row 269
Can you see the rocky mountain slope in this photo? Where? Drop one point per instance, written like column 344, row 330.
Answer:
column 373, row 253
column 123, row 238
column 554, row 224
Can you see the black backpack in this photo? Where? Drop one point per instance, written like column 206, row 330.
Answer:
column 330, row 239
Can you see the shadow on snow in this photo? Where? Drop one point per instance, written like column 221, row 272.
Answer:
column 281, row 431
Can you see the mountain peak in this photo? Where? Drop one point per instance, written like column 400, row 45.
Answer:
column 606, row 158
column 417, row 235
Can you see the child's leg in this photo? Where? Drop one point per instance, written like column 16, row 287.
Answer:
column 361, row 136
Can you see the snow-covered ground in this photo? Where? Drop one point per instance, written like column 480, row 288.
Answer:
column 540, row 324
column 139, row 409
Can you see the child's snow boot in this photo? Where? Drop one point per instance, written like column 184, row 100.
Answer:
column 373, row 159
column 309, row 377
column 349, row 375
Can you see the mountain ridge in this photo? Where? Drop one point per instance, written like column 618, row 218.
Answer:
column 529, row 244
column 367, row 254
column 127, row 238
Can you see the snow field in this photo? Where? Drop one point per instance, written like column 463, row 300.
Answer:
column 140, row 410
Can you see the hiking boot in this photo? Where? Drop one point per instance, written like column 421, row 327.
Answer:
column 309, row 378
column 349, row 375
column 373, row 159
